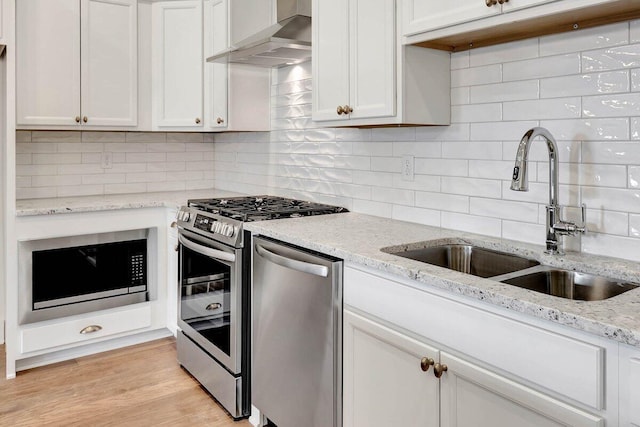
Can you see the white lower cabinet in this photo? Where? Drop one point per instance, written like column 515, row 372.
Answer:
column 383, row 382
column 629, row 386
column 495, row 370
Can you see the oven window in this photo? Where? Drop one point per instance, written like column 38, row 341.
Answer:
column 205, row 297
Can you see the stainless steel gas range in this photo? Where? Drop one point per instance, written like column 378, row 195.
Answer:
column 214, row 289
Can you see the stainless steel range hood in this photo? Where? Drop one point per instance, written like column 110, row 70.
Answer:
column 285, row 43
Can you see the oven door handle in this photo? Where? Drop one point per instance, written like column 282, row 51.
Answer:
column 294, row 264
column 211, row 253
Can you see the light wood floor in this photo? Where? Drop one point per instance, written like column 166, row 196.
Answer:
column 141, row 385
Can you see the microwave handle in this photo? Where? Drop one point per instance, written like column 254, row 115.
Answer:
column 294, row 264
column 211, row 253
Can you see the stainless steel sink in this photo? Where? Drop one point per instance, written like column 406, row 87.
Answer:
column 469, row 259
column 570, row 284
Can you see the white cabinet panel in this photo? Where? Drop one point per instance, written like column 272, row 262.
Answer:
column 2, row 35
column 634, row 391
column 476, row 397
column 76, row 62
column 425, row 15
column 384, row 384
column 330, row 58
column 178, row 64
column 109, row 65
column 48, row 62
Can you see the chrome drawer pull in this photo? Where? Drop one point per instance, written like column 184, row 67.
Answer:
column 91, row 329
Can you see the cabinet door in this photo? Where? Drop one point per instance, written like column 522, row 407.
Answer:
column 330, row 65
column 109, row 62
column 476, row 397
column 522, row 4
column 372, row 64
column 178, row 64
column 48, row 62
column 425, row 15
column 384, row 384
column 217, row 40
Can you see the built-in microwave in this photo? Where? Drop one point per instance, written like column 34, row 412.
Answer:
column 78, row 274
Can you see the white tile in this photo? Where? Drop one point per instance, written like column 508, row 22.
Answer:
column 460, row 95
column 612, row 199
column 538, row 193
column 420, row 183
column 634, row 36
column 472, row 224
column 377, row 179
column 80, row 190
column 634, row 226
column 418, row 149
column 30, row 170
column 279, row 136
column 106, row 178
column 495, row 169
column 634, row 176
column 500, row 131
column 585, row 84
column 64, row 147
column 372, row 148
column 588, row 129
column 353, row 134
column 612, row 58
column 603, row 175
column 56, row 159
column 166, row 186
column 125, row 188
column 524, row 232
column 460, row 60
column 150, row 157
column 517, row 211
column 416, row 215
column 126, row 167
column 608, row 245
column 134, row 137
column 635, row 80
column 386, row 164
column 23, row 159
column 476, row 76
column 190, row 175
column 472, row 150
column 443, row 167
column 453, row 132
column 91, row 158
column 505, row 52
column 556, row 108
column 472, row 187
column 353, row 162
column 635, row 128
column 337, row 175
column 443, row 202
column 170, row 147
column 118, row 147
column 611, row 105
column 200, row 185
column 55, row 136
column 133, row 178
column 391, row 195
column 55, row 180
column 476, row 113
column 36, row 147
column 184, row 137
column 609, row 222
column 23, row 181
column 316, row 135
column 393, row 134
column 93, row 137
column 36, row 193
column 591, row 38
column 23, row 136
column 568, row 151
column 549, row 66
column 166, row 167
column 511, row 91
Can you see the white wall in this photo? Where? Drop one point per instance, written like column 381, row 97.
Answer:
column 63, row 164
column 583, row 86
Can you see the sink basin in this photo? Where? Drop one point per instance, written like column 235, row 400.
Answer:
column 571, row 284
column 469, row 259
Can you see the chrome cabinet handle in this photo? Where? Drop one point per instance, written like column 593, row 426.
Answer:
column 213, row 306
column 425, row 362
column 210, row 252
column 294, row 264
column 439, row 369
column 90, row 329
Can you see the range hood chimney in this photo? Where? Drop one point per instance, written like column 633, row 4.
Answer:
column 287, row 42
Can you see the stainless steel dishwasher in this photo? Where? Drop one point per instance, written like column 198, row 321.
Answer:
column 296, row 336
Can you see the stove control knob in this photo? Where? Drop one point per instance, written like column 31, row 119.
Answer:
column 230, row 231
column 185, row 216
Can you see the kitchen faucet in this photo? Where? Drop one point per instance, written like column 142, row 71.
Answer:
column 520, row 182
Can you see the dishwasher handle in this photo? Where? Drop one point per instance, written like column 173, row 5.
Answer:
column 294, row 264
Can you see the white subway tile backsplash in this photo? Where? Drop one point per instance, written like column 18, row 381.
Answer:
column 471, row 187
column 635, row 128
column 611, row 106
column 549, row 66
column 417, row 215
column 55, row 180
column 511, row 91
column 517, row 211
column 592, row 38
column 476, row 76
column 610, row 245
column 585, row 84
column 634, row 35
column 556, row 108
column 507, row 52
column 472, row 224
column 614, row 199
column 393, row 195
column 56, row 159
column 473, row 150
column 443, row 202
column 460, row 95
column 500, row 131
column 476, row 113
column 460, row 60
column 588, row 129
column 386, row 164
column 635, row 80
column 524, row 232
column 419, row 149
column 453, row 132
column 102, row 137
column 375, row 149
column 393, row 134
column 634, row 225
column 420, row 182
column 55, row 136
column 611, row 153
column 612, row 58
column 443, row 167
column 609, row 222
column 36, row 147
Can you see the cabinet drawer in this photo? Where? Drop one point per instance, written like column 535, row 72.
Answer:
column 559, row 363
column 634, row 391
column 54, row 334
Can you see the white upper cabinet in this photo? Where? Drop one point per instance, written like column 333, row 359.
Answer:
column 76, row 63
column 423, row 15
column 236, row 96
column 2, row 35
column 177, row 62
column 361, row 74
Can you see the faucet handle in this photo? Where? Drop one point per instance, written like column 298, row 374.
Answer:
column 571, row 228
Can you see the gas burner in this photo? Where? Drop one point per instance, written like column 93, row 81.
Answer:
column 260, row 208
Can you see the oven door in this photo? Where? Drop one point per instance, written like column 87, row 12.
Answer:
column 210, row 300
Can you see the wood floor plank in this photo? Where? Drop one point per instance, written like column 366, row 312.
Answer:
column 141, row 385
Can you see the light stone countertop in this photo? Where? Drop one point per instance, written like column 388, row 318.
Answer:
column 358, row 238
column 169, row 199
